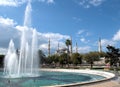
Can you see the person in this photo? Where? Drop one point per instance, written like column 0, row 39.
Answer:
column 107, row 66
column 9, row 81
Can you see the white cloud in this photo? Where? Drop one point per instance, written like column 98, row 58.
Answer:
column 15, row 3
column 8, row 3
column 82, row 39
column 89, row 3
column 50, row 1
column 41, row 0
column 7, row 31
column 105, row 42
column 43, row 46
column 3, row 51
column 7, row 21
column 47, row 1
column 10, row 30
column 83, row 32
column 96, row 2
column 55, row 36
column 43, row 38
column 11, row 2
column 80, row 31
column 116, row 37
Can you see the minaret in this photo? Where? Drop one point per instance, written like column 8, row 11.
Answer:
column 71, row 46
column 76, row 48
column 49, row 47
column 58, row 46
column 99, row 46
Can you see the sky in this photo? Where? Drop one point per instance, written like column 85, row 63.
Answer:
column 84, row 20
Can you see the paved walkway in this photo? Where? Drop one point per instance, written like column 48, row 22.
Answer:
column 103, row 84
column 109, row 83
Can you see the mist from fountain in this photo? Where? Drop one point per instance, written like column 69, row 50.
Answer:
column 24, row 62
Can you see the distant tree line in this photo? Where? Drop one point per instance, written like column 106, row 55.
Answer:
column 112, row 56
column 74, row 59
column 1, row 61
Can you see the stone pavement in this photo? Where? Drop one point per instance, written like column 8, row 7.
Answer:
column 109, row 83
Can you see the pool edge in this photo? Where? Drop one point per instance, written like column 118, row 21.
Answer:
column 108, row 76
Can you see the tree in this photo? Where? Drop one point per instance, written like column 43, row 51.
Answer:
column 68, row 43
column 76, row 59
column 91, row 57
column 53, row 59
column 63, row 59
column 42, row 57
column 102, row 54
column 2, row 60
column 56, row 58
column 49, row 60
column 113, row 55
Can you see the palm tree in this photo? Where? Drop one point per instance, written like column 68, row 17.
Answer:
column 68, row 43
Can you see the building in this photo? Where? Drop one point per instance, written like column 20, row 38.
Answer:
column 61, row 51
column 99, row 46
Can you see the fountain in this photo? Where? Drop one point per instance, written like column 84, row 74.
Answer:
column 11, row 60
column 24, row 62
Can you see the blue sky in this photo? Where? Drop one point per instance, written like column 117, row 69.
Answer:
column 84, row 20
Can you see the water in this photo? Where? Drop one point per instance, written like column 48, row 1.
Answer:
column 47, row 78
column 24, row 61
column 11, row 60
column 27, row 17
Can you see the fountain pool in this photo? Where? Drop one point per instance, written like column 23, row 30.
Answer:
column 59, row 77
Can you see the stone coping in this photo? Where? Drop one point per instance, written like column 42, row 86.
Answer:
column 107, row 76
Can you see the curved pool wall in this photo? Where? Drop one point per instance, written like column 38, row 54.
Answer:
column 57, row 78
column 107, row 76
column 47, row 78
